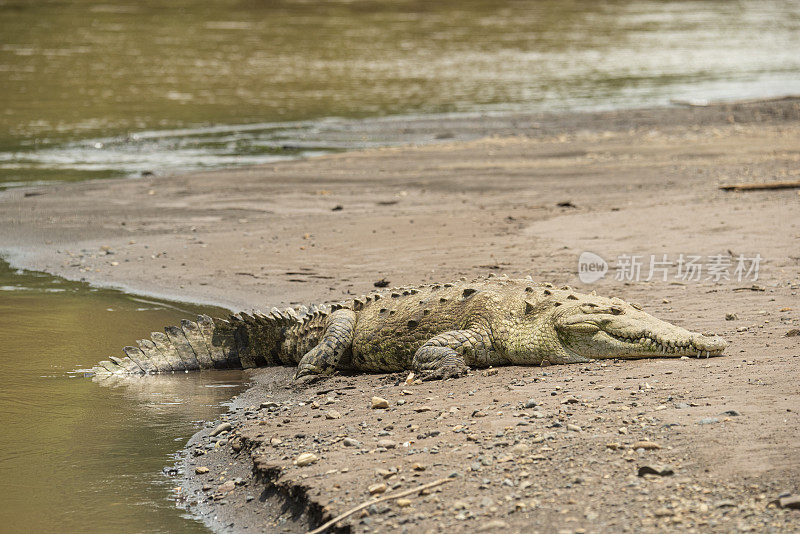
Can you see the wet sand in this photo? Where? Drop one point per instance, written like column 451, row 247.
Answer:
column 630, row 182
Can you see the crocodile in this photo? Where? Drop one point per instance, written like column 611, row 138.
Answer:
column 436, row 330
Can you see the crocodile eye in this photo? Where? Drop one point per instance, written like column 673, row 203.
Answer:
column 616, row 310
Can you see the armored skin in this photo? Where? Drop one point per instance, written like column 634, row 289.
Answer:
column 437, row 330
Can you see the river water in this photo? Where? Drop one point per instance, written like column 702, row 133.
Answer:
column 75, row 455
column 121, row 87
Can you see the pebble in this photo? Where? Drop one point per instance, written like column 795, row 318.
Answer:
column 332, row 414
column 493, row 526
column 792, row 501
column 418, row 467
column 306, row 458
column 574, row 428
column 201, row 470
column 731, row 317
column 655, row 469
column 403, row 503
column 422, row 409
column 387, row 443
column 520, row 448
column 731, row 413
column 350, row 442
column 222, row 427
column 226, row 487
column 708, row 421
column 379, row 404
column 646, row 445
column 530, row 403
column 377, row 488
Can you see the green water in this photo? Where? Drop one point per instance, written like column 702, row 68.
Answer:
column 95, row 89
column 77, row 456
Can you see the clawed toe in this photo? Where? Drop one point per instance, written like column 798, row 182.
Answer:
column 307, row 370
column 443, row 373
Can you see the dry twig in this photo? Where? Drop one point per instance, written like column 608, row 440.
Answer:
column 370, row 502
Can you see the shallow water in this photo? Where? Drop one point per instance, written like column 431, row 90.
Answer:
column 77, row 456
column 88, row 89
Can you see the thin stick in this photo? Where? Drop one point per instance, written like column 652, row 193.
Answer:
column 760, row 186
column 363, row 505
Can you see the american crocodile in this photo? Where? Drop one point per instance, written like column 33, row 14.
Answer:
column 437, row 330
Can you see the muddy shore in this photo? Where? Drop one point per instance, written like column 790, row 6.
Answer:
column 544, row 449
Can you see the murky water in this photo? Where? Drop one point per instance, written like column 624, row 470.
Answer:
column 87, row 88
column 76, row 456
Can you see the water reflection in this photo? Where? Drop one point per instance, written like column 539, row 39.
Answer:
column 75, row 456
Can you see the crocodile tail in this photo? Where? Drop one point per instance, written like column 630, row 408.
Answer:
column 240, row 342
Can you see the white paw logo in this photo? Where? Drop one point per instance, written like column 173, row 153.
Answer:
column 591, row 267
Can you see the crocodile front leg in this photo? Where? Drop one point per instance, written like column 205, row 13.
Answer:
column 338, row 338
column 451, row 354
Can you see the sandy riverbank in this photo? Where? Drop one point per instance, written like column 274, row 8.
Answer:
column 634, row 182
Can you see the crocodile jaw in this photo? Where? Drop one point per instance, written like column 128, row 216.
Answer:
column 634, row 335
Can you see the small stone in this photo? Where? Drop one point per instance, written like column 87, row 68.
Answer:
column 794, row 332
column 410, row 378
column 350, row 442
column 226, row 487
column 306, row 458
column 478, row 413
column 222, row 427
column 574, row 428
column 403, row 503
column 418, row 467
column 613, row 446
column 421, row 409
column 731, row 413
column 201, row 470
column 570, row 400
column 379, row 404
column 332, row 414
column 646, row 445
column 656, row 469
column 386, row 473
column 387, row 443
column 623, row 430
column 520, row 448
column 530, row 403
column 708, row 421
column 377, row 488
column 731, row 317
column 792, row 502
column 726, row 504
column 493, row 526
